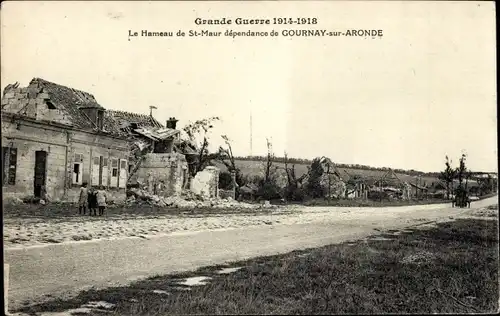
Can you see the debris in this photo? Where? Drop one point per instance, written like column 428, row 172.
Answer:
column 187, row 199
column 12, row 200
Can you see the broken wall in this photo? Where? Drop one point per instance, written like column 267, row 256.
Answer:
column 206, row 182
column 163, row 174
column 333, row 186
column 33, row 102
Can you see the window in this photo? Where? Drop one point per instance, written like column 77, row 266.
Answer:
column 123, row 174
column 9, row 165
column 104, row 173
column 78, row 169
column 114, row 173
column 100, row 171
column 96, row 170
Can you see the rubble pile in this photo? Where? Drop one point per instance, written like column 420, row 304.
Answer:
column 187, row 199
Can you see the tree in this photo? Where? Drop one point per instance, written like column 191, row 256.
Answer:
column 292, row 191
column 487, row 185
column 314, row 187
column 226, row 156
column 447, row 176
column 462, row 174
column 269, row 168
column 268, row 188
column 199, row 134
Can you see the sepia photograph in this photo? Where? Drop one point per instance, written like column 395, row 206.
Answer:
column 249, row 157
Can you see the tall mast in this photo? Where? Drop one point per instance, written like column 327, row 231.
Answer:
column 251, row 133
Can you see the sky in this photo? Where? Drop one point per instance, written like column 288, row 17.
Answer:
column 425, row 89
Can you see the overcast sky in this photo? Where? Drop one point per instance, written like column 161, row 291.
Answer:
column 427, row 88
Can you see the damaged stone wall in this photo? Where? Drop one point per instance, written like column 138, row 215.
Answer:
column 206, row 182
column 33, row 102
column 162, row 174
column 333, row 186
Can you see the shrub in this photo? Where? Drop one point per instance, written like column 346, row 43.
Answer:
column 295, row 194
column 225, row 180
column 314, row 189
column 269, row 191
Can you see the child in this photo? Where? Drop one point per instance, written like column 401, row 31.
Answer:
column 92, row 201
column 82, row 200
column 101, row 200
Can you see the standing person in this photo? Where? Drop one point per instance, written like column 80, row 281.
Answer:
column 101, row 200
column 83, row 200
column 92, row 201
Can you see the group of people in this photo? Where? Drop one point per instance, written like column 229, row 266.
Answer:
column 92, row 200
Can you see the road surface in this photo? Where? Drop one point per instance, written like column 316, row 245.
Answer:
column 60, row 270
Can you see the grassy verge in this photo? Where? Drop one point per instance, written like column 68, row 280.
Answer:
column 452, row 268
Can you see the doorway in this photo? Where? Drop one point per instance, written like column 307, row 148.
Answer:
column 40, row 172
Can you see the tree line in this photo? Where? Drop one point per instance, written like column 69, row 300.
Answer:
column 278, row 159
column 269, row 185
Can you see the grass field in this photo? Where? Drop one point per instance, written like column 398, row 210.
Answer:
column 248, row 167
column 452, row 268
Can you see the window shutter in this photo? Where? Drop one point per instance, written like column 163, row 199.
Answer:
column 12, row 166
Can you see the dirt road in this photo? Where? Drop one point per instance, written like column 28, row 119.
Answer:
column 60, row 270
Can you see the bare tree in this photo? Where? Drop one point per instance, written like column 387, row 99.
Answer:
column 198, row 134
column 270, row 169
column 225, row 155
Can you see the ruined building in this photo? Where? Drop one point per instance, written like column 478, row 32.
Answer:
column 54, row 138
column 157, row 158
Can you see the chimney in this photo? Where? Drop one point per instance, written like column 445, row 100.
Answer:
column 172, row 123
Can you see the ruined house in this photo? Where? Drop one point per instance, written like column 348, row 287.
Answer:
column 356, row 186
column 54, row 138
column 392, row 186
column 157, row 157
column 331, row 180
